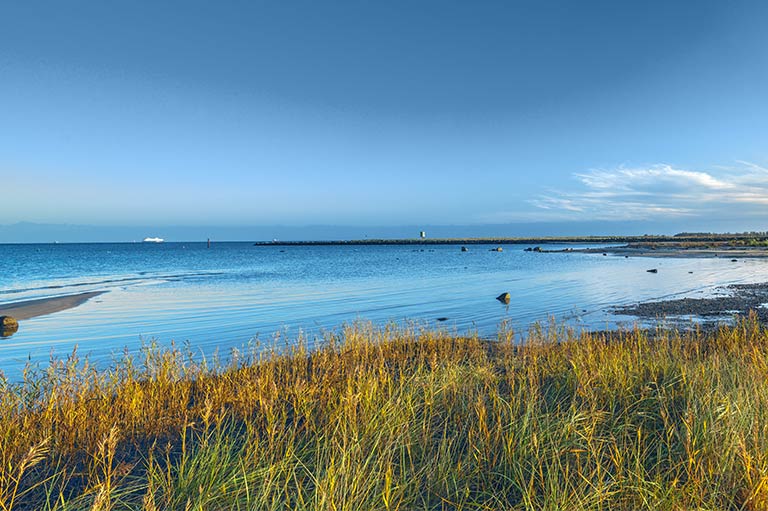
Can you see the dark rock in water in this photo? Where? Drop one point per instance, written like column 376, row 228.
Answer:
column 442, row 319
column 626, row 257
column 690, row 272
column 734, row 260
column 464, row 249
column 504, row 297
column 652, row 270
column 605, row 254
column 8, row 326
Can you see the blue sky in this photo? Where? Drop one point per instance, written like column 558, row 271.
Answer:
column 627, row 116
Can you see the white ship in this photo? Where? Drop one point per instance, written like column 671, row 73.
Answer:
column 153, row 240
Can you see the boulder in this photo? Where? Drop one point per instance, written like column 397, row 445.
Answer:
column 504, row 297
column 8, row 322
column 8, row 326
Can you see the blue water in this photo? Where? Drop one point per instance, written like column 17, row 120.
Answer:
column 233, row 293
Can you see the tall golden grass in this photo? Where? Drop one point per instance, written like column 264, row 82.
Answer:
column 400, row 419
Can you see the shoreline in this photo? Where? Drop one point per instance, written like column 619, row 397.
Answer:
column 28, row 309
column 737, row 300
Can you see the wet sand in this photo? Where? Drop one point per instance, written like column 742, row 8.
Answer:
column 733, row 249
column 736, row 300
column 33, row 308
column 723, row 253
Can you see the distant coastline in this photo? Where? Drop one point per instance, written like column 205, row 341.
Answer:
column 678, row 238
column 636, row 241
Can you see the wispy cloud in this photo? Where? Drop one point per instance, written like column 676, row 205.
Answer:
column 658, row 192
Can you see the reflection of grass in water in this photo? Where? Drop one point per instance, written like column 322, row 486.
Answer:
column 393, row 419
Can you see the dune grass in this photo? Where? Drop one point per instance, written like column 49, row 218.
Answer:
column 387, row 419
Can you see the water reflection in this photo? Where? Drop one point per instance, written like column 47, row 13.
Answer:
column 8, row 331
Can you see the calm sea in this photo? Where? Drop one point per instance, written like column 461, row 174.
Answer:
column 233, row 293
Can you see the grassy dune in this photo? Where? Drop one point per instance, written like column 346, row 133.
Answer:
column 385, row 419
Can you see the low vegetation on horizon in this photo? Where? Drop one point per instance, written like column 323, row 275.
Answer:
column 386, row 419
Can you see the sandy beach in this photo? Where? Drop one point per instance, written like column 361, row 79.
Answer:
column 33, row 308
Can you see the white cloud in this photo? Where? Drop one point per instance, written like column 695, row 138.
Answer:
column 623, row 179
column 658, row 192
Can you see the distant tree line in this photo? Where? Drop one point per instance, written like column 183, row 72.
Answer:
column 746, row 234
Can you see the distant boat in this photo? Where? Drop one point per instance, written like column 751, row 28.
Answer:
column 153, row 240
